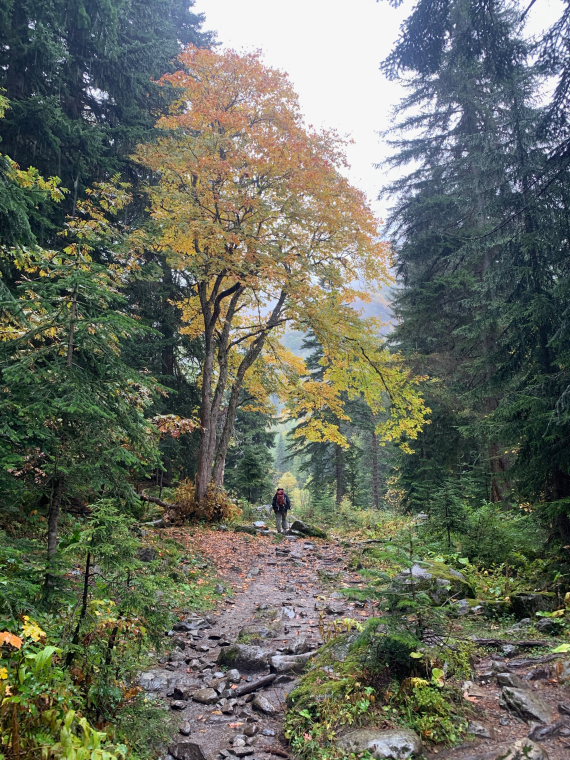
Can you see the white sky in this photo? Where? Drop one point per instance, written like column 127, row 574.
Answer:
column 331, row 50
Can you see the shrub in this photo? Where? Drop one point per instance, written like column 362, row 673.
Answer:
column 38, row 704
column 432, row 710
column 495, row 535
column 217, row 505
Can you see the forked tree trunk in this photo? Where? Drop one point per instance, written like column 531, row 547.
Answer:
column 216, row 418
column 252, row 353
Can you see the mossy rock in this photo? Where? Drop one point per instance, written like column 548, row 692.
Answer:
column 268, row 613
column 298, row 526
column 257, row 633
column 436, row 579
column 525, row 605
column 246, row 529
column 244, row 657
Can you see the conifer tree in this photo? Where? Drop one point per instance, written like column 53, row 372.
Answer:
column 472, row 86
column 73, row 424
column 80, row 77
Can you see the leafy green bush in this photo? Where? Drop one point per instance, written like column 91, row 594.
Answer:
column 494, row 535
column 429, row 707
column 120, row 596
column 39, row 704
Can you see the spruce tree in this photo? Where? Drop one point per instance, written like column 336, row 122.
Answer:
column 80, row 78
column 472, row 143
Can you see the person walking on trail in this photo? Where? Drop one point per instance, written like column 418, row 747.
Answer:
column 281, row 503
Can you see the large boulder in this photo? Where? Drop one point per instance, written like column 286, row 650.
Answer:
column 298, row 526
column 437, row 579
column 396, row 744
column 289, row 663
column 526, row 704
column 524, row 605
column 245, row 657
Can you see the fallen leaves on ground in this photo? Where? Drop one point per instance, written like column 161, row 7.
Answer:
column 224, row 549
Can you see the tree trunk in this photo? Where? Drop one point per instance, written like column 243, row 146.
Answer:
column 207, row 440
column 84, row 601
column 251, row 355
column 211, row 402
column 53, row 534
column 560, row 489
column 340, row 474
column 376, row 490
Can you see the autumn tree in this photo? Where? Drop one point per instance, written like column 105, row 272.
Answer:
column 252, row 209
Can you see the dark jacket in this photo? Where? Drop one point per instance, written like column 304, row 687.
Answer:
column 284, row 508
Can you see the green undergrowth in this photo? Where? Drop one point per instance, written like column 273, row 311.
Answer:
column 378, row 678
column 70, row 654
column 406, row 667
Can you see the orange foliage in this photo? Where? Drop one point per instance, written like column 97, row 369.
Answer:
column 253, row 207
column 9, row 638
column 217, row 505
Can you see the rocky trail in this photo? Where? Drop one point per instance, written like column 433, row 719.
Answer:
column 228, row 673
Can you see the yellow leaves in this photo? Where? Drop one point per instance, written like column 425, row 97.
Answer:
column 31, row 179
column 192, row 317
column 247, row 196
column 3, row 674
column 319, row 431
column 9, row 638
column 31, row 629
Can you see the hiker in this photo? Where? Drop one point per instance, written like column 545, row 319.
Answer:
column 281, row 503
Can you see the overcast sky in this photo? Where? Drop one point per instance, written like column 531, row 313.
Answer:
column 331, row 50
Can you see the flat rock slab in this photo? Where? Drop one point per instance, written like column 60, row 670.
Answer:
column 245, row 657
column 397, row 744
column 527, row 705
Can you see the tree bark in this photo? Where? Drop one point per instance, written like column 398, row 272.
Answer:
column 375, row 471
column 251, row 355
column 210, row 405
column 53, row 534
column 340, row 474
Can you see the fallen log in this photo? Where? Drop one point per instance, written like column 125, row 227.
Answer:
column 525, row 643
column 160, row 523
column 247, row 688
column 155, row 500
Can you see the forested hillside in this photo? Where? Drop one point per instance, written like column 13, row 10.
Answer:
column 188, row 291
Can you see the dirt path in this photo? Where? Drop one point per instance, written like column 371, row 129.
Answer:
column 285, row 598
